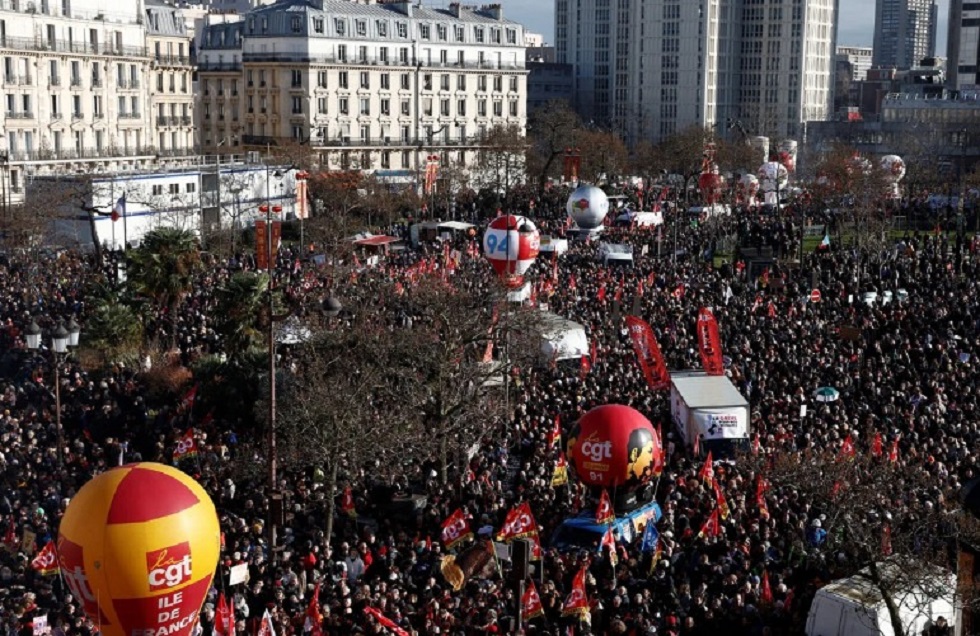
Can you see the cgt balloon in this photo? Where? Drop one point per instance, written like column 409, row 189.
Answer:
column 138, row 547
column 615, row 446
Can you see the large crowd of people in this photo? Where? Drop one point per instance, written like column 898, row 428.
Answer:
column 909, row 374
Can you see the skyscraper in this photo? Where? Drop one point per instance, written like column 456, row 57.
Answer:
column 905, row 32
column 649, row 69
column 963, row 45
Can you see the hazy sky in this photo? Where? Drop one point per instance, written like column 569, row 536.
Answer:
column 857, row 20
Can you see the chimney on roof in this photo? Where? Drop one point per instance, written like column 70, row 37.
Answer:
column 403, row 7
column 454, row 9
column 495, row 11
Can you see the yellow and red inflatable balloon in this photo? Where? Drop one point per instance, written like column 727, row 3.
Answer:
column 138, row 547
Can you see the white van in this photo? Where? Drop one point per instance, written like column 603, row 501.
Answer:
column 854, row 606
column 615, row 254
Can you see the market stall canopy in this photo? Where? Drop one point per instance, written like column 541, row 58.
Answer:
column 376, row 240
column 459, row 226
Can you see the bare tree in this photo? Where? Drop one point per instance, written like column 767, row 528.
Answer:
column 500, row 161
column 878, row 519
column 552, row 129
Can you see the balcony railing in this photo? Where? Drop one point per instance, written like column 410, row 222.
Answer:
column 377, row 61
column 67, row 46
column 129, row 115
column 20, row 114
column 172, row 60
column 17, row 80
column 372, row 142
column 219, row 66
column 48, row 154
column 129, row 84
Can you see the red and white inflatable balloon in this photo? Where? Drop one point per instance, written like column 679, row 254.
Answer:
column 511, row 243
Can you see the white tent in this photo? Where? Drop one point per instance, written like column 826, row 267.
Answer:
column 561, row 338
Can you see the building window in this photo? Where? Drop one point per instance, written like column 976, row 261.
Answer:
column 498, row 84
column 383, row 54
column 318, row 25
column 294, row 24
column 385, row 158
column 481, row 107
column 321, row 79
column 498, row 108
column 442, row 32
column 406, row 81
column 321, row 105
column 297, row 78
column 361, row 26
column 365, row 106
column 425, row 31
column 365, row 79
column 444, row 82
column 406, row 107
column 385, row 106
column 342, row 52
column 513, row 108
column 190, row 188
column 461, row 107
column 511, row 36
column 461, row 82
column 339, row 26
column 478, row 34
column 297, row 105
column 382, row 27
column 157, row 189
column 460, row 33
column 342, row 106
column 513, row 85
column 385, row 81
column 174, row 188
column 403, row 29
column 342, row 77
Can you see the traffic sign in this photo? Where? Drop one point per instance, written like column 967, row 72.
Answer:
column 815, row 296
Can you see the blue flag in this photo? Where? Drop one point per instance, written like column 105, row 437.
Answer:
column 650, row 538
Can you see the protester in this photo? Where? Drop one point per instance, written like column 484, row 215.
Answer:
column 910, row 375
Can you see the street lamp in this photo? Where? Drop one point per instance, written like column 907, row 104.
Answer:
column 61, row 339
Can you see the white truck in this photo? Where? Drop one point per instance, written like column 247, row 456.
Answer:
column 709, row 407
column 855, row 607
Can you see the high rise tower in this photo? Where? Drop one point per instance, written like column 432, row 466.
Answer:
column 905, row 32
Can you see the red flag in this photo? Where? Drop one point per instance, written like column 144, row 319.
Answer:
column 586, row 366
column 571, row 282
column 602, row 293
column 554, row 435
column 593, row 351
column 760, row 497
column 186, row 446
column 577, row 603
column 609, row 543
column 46, row 561
column 847, row 450
column 347, row 503
column 893, row 453
column 266, row 626
column 886, row 540
column 708, row 471
column 721, row 501
column 876, row 446
column 711, row 527
column 765, row 591
column 187, row 402
column 648, row 354
column 639, row 288
column 518, row 524
column 559, row 477
column 771, row 310
column 455, row 529
column 314, row 619
column 679, row 291
column 386, row 622
column 604, row 512
column 221, row 616
column 710, row 343
column 618, row 296
column 531, row 606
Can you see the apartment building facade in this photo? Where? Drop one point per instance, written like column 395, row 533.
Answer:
column 649, row 69
column 370, row 86
column 76, row 88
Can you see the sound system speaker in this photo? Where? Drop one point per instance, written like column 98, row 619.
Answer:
column 520, row 558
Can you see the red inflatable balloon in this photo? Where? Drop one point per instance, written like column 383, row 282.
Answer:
column 615, row 446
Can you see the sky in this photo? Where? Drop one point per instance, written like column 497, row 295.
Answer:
column 856, row 21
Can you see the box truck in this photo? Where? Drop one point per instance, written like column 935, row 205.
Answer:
column 709, row 407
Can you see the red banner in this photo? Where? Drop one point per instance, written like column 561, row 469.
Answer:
column 577, row 603
column 531, row 606
column 710, row 343
column 518, row 524
column 648, row 354
column 262, row 242
column 604, row 511
column 455, row 529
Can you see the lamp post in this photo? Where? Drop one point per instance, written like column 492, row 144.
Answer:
column 61, row 339
column 236, row 190
column 270, row 268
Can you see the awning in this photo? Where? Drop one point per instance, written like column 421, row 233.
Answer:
column 377, row 241
column 456, row 225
